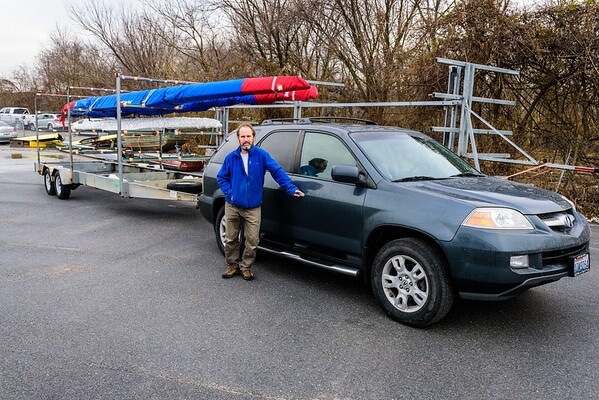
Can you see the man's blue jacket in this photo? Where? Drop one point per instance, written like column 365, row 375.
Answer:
column 245, row 190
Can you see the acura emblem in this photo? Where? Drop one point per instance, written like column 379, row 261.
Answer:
column 568, row 220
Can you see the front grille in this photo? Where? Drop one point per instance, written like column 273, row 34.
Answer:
column 561, row 257
column 559, row 222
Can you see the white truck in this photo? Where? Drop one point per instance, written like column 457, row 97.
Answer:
column 18, row 117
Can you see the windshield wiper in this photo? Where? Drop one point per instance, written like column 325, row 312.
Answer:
column 466, row 174
column 416, row 178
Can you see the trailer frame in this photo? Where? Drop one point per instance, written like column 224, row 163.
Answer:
column 128, row 179
column 137, row 181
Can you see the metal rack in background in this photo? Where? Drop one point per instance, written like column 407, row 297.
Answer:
column 458, row 103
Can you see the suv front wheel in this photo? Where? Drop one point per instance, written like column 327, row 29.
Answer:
column 411, row 282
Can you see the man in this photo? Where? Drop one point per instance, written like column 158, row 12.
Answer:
column 241, row 179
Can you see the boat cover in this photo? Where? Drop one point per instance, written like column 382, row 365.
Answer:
column 145, row 124
column 195, row 97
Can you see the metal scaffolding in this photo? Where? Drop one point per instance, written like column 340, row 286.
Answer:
column 459, row 114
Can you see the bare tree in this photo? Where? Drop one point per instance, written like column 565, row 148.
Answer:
column 377, row 45
column 560, row 90
column 198, row 32
column 69, row 61
column 266, row 32
column 137, row 39
column 18, row 90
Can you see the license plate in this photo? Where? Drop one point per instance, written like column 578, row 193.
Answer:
column 581, row 264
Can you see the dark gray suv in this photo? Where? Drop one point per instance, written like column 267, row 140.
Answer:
column 397, row 207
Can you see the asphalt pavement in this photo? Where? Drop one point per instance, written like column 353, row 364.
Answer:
column 103, row 297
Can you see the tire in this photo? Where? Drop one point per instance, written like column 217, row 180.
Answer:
column 63, row 192
column 186, row 187
column 48, row 183
column 411, row 282
column 50, row 127
column 219, row 231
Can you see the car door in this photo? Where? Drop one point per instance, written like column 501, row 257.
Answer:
column 282, row 145
column 328, row 219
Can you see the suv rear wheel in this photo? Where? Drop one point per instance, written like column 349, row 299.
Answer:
column 411, row 282
column 219, row 230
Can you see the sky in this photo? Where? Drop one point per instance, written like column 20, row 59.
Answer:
column 26, row 26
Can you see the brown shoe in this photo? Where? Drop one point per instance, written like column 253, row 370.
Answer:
column 231, row 271
column 247, row 274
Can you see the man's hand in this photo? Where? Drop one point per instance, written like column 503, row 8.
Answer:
column 298, row 193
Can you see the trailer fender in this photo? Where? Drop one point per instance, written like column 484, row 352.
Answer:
column 65, row 173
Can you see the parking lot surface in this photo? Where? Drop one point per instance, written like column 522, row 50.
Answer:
column 103, row 297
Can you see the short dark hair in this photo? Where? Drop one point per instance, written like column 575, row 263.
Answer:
column 317, row 161
column 247, row 126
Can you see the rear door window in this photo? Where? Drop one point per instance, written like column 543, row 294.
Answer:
column 282, row 146
column 230, row 144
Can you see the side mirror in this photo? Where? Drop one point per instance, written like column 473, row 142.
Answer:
column 347, row 174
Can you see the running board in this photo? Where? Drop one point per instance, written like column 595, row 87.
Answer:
column 342, row 269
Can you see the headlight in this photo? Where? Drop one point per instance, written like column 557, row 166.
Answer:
column 497, row 218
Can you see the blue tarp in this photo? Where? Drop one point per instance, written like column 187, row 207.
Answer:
column 189, row 97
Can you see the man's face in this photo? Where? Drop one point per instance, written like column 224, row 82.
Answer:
column 246, row 139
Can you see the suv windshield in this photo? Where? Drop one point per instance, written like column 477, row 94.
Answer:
column 399, row 156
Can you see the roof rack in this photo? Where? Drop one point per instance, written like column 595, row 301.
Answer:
column 310, row 120
column 286, row 120
column 342, row 119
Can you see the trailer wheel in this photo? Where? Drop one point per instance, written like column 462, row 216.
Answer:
column 63, row 192
column 186, row 187
column 48, row 184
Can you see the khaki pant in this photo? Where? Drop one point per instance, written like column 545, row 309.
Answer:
column 250, row 217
